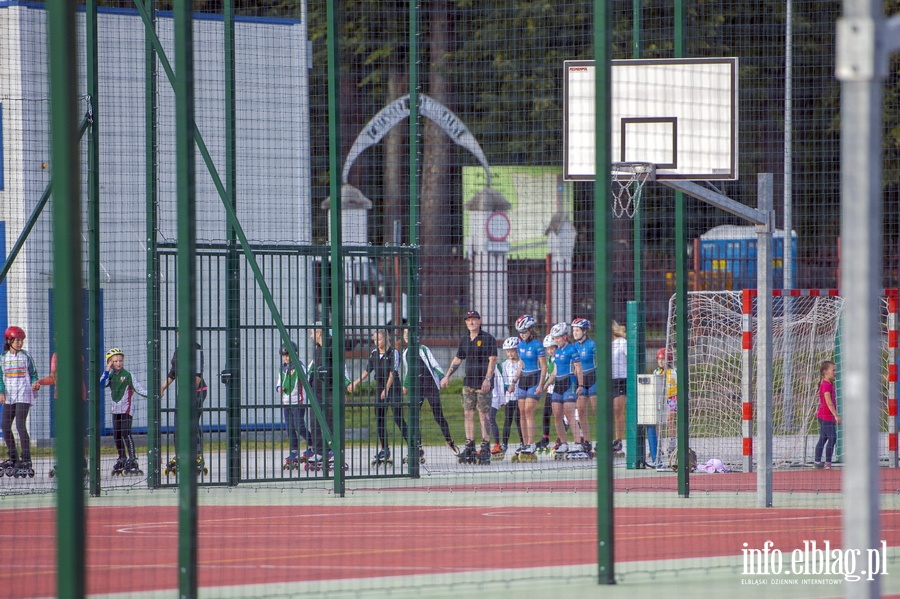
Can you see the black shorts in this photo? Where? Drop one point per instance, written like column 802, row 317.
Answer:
column 590, row 378
column 619, row 386
column 529, row 380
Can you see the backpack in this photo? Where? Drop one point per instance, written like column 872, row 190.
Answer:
column 692, row 460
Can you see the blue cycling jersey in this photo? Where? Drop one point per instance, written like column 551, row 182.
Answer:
column 587, row 350
column 529, row 352
column 564, row 358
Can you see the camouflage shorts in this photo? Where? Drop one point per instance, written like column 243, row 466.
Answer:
column 475, row 399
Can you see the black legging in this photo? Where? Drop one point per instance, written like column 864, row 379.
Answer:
column 548, row 412
column 19, row 412
column 434, row 400
column 381, row 407
column 122, row 435
column 495, row 430
column 512, row 413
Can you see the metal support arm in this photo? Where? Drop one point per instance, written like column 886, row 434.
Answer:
column 757, row 217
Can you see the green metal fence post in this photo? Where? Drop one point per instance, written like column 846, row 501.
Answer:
column 681, row 301
column 151, row 204
column 232, row 375
column 637, row 353
column 186, row 406
column 337, row 258
column 603, row 293
column 95, row 393
column 64, row 158
column 413, row 269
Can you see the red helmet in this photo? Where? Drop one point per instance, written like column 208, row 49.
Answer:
column 664, row 354
column 14, row 333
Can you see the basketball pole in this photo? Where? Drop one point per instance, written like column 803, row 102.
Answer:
column 865, row 41
column 764, row 218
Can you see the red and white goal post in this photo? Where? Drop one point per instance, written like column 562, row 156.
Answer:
column 805, row 332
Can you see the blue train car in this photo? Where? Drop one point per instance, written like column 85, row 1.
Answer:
column 732, row 249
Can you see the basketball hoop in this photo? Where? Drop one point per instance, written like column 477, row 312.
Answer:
column 627, row 185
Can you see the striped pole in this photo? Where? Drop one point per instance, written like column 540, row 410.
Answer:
column 747, row 297
column 892, row 309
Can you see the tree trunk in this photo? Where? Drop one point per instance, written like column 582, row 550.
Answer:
column 436, row 200
column 396, row 163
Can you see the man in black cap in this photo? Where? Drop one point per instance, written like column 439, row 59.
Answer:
column 479, row 349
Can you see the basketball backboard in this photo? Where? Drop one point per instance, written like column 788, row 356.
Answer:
column 679, row 114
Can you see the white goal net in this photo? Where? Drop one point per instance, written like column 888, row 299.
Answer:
column 804, row 333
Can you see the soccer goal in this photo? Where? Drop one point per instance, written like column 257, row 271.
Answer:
column 805, row 325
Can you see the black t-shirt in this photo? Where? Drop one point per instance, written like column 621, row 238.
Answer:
column 382, row 365
column 477, row 353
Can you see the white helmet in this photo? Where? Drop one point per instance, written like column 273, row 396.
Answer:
column 559, row 329
column 511, row 343
column 524, row 322
column 549, row 341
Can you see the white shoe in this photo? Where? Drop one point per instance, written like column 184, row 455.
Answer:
column 563, row 448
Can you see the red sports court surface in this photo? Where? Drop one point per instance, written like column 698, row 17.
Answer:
column 133, row 549
column 800, row 480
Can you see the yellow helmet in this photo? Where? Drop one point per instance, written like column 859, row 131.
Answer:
column 114, row 352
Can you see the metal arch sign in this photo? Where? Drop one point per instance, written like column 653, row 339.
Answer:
column 398, row 110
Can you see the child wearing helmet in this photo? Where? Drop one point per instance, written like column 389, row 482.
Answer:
column 587, row 392
column 509, row 369
column 543, row 445
column 18, row 384
column 530, row 379
column 428, row 384
column 200, row 392
column 293, row 406
column 568, row 381
column 619, row 382
column 122, row 388
column 664, row 359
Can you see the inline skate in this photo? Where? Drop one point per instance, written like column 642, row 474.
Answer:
column 132, row 468
column 171, row 467
column 484, row 454
column 543, row 446
column 560, row 451
column 56, row 468
column 382, row 458
column 528, row 454
column 291, row 462
column 421, row 456
column 315, row 464
column 498, row 452
column 8, row 467
column 517, row 457
column 468, row 455
column 24, row 469
column 119, row 467
column 578, row 452
column 199, row 466
column 452, row 446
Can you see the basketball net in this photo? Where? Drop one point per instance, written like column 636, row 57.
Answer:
column 627, row 184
